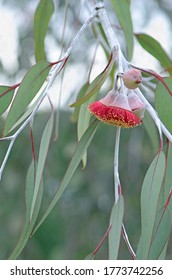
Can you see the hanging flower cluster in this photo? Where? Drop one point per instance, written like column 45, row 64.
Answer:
column 123, row 109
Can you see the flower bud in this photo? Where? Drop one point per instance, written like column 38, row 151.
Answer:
column 132, row 78
column 109, row 98
column 121, row 101
column 136, row 105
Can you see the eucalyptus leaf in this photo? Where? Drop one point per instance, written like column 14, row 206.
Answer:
column 168, row 177
column 77, row 156
column 28, row 225
column 95, row 85
column 163, row 103
column 45, row 141
column 5, row 99
column 42, row 17
column 116, row 220
column 122, row 10
column 161, row 234
column 29, row 87
column 26, row 114
column 155, row 49
column 151, row 190
column 83, row 123
column 152, row 132
column 81, row 93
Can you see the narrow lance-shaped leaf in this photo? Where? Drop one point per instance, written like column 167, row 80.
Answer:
column 28, row 225
column 163, row 224
column 45, row 141
column 163, row 253
column 83, row 123
column 115, row 232
column 161, row 234
column 168, row 177
column 42, row 17
column 29, row 87
column 26, row 114
column 6, row 98
column 163, row 103
column 150, row 195
column 152, row 132
column 155, row 49
column 122, row 10
column 81, row 93
column 77, row 156
column 96, row 84
column 83, row 120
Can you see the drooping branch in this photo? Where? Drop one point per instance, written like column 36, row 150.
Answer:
column 123, row 65
column 55, row 70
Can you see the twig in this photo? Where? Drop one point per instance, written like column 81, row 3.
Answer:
column 125, row 236
column 55, row 70
column 123, row 65
column 153, row 114
column 102, row 240
column 116, row 160
column 6, row 156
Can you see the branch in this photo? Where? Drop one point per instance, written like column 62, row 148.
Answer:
column 55, row 70
column 124, row 65
column 111, row 37
column 116, row 161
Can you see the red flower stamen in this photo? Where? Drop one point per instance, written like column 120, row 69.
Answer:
column 114, row 115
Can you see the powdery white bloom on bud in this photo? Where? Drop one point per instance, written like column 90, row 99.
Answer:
column 136, row 105
column 117, row 113
column 121, row 101
column 109, row 98
column 132, row 78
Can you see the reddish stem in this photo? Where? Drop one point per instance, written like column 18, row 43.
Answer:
column 102, row 240
column 32, row 145
column 157, row 76
column 10, row 88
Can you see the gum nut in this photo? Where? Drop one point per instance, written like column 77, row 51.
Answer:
column 132, row 78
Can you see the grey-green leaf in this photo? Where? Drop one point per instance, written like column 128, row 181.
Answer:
column 161, row 234
column 81, row 93
column 163, row 103
column 6, row 94
column 28, row 225
column 95, row 85
column 77, row 156
column 122, row 10
column 152, row 132
column 155, row 49
column 150, row 194
column 45, row 141
column 83, row 123
column 42, row 17
column 116, row 220
column 29, row 87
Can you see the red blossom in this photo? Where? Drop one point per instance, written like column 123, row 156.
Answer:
column 114, row 115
